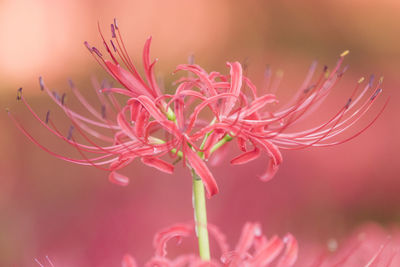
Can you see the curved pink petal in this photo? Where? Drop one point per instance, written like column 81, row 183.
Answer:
column 275, row 158
column 148, row 67
column 289, row 257
column 250, row 230
column 121, row 163
column 235, row 86
column 128, row 261
column 127, row 79
column 158, row 164
column 246, row 157
column 202, row 171
column 158, row 115
column 118, row 178
column 270, row 172
column 202, row 75
column 162, row 237
column 268, row 253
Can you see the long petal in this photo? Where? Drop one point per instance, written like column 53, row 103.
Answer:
column 267, row 254
column 162, row 237
column 158, row 115
column 202, row 171
column 275, row 158
column 159, row 164
column 118, row 179
column 128, row 261
column 236, row 84
column 127, row 79
column 246, row 157
column 289, row 257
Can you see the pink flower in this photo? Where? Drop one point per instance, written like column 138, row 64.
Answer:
column 369, row 245
column 151, row 125
column 253, row 249
column 248, row 116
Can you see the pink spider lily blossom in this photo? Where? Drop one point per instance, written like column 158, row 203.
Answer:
column 252, row 249
column 249, row 119
column 369, row 245
column 151, row 125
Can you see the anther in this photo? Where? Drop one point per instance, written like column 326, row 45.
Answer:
column 88, row 46
column 112, row 43
column 115, row 24
column 113, row 31
column 377, row 92
column 71, row 129
column 41, row 83
column 371, row 80
column 47, row 117
column 56, row 96
column 344, row 53
column 381, row 80
column 94, row 49
column 71, row 83
column 7, row 110
column 348, row 103
column 103, row 111
column 325, row 68
column 19, row 94
column 361, row 80
column 63, row 97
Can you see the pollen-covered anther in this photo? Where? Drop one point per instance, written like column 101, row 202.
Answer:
column 361, row 80
column 19, row 93
column 345, row 53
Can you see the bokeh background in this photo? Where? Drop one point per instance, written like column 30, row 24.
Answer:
column 74, row 215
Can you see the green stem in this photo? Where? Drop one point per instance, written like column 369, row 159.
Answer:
column 200, row 212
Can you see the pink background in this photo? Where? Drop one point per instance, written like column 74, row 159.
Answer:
column 74, row 215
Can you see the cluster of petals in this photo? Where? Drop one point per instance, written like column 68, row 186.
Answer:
column 252, row 249
column 369, row 245
column 193, row 124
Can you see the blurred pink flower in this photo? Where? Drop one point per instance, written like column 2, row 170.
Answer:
column 369, row 245
column 152, row 124
column 253, row 249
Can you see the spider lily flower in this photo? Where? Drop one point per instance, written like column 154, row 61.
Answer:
column 248, row 116
column 151, row 124
column 131, row 127
column 252, row 249
column 369, row 245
